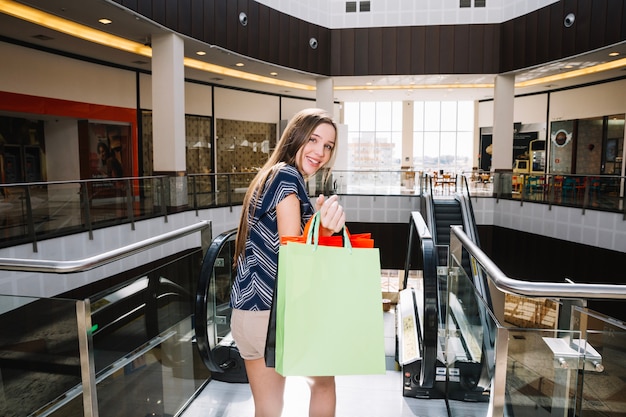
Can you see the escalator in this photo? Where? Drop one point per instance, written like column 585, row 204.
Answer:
column 213, row 312
column 456, row 370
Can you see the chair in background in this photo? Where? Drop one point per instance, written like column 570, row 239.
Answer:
column 534, row 184
column 573, row 188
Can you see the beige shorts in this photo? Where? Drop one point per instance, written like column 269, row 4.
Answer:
column 249, row 330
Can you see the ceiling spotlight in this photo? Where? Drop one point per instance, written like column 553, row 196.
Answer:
column 313, row 43
column 273, row 73
column 614, row 54
column 201, row 53
column 569, row 20
column 105, row 21
column 239, row 64
column 243, row 19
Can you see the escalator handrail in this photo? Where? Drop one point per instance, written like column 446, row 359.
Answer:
column 203, row 341
column 537, row 289
column 430, row 327
column 91, row 262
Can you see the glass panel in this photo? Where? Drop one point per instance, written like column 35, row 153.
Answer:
column 467, row 329
column 603, row 380
column 448, row 116
column 537, row 370
column 418, row 151
column 40, row 354
column 466, row 116
column 145, row 359
column 432, row 116
column 368, row 116
column 431, row 152
column 383, row 116
column 418, row 116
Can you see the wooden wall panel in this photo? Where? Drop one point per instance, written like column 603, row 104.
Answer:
column 542, row 51
column 275, row 37
column 232, row 25
column 388, row 64
column 197, row 19
column 418, row 50
column 446, row 49
column 585, row 36
column 184, row 16
column 476, row 52
column 432, row 51
column 613, row 30
column 221, row 32
column 507, row 45
column 403, row 58
column 461, row 50
column 361, row 54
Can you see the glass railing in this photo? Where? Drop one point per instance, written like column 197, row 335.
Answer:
column 597, row 192
column 603, row 376
column 122, row 346
column 573, row 366
column 30, row 212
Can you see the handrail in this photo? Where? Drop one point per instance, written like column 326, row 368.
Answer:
column 537, row 289
column 428, row 323
column 85, row 264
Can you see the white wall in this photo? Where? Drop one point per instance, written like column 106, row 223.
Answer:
column 243, row 105
column 594, row 228
column 598, row 100
column 32, row 72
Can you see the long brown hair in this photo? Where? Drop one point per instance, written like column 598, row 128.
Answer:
column 296, row 135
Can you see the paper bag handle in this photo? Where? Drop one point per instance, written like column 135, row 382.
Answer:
column 313, row 233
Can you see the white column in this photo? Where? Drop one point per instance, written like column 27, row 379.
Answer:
column 168, row 115
column 503, row 104
column 168, row 104
column 324, row 95
column 407, row 134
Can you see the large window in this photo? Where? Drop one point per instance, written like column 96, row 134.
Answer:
column 374, row 135
column 443, row 136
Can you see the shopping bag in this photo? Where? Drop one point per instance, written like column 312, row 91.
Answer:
column 329, row 319
column 360, row 240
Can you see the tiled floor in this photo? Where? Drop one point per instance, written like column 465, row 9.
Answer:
column 357, row 396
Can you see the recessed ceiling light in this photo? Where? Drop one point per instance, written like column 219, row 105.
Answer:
column 568, row 66
column 105, row 21
column 614, row 54
column 274, row 73
column 239, row 64
column 201, row 53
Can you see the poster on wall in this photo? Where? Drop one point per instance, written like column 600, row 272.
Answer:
column 105, row 154
column 107, row 148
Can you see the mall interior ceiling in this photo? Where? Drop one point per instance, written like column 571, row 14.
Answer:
column 133, row 27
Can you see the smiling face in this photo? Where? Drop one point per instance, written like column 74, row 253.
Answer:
column 317, row 151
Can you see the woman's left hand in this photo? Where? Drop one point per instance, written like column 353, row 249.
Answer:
column 331, row 213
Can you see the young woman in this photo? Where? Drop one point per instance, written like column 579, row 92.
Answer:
column 277, row 204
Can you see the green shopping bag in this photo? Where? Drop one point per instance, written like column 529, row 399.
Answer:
column 329, row 319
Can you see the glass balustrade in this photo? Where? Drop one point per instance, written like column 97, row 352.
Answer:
column 128, row 349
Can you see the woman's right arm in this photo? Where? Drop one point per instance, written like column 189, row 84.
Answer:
column 288, row 216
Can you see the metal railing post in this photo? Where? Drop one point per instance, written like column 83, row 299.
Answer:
column 87, row 363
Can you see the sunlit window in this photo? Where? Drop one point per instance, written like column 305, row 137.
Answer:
column 442, row 136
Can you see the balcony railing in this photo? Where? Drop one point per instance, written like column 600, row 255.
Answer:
column 31, row 212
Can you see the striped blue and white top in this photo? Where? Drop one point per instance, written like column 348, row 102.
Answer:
column 258, row 267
